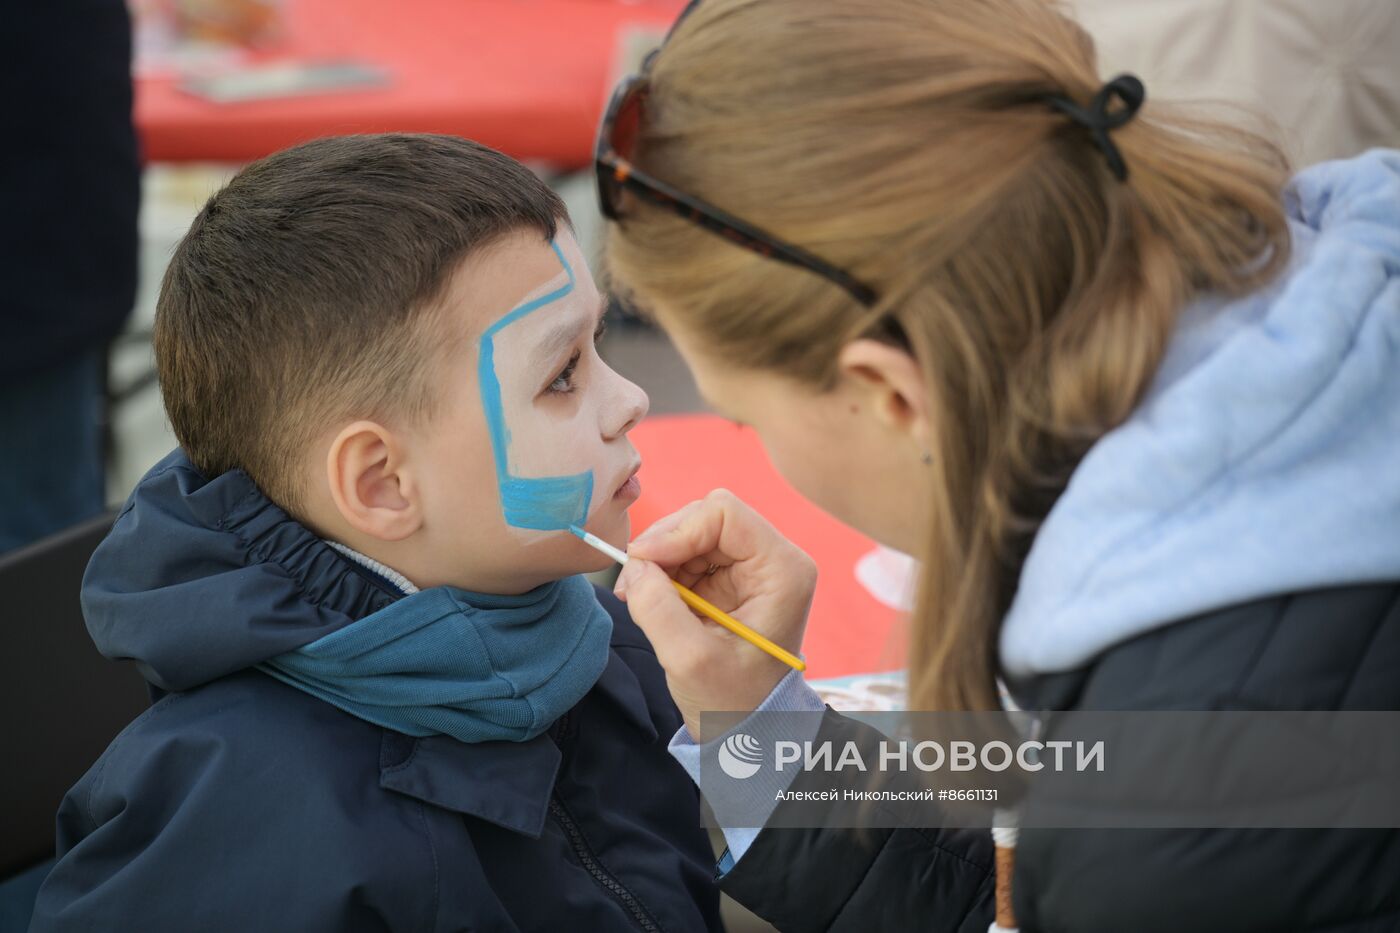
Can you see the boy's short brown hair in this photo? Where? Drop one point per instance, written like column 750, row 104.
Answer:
column 301, row 293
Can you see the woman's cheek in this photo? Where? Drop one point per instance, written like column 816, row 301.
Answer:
column 794, row 463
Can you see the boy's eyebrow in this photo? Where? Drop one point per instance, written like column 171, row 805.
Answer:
column 562, row 336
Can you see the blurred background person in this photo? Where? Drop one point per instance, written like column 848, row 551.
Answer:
column 69, row 190
column 1327, row 74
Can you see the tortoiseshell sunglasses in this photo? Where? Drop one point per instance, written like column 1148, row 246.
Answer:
column 617, row 140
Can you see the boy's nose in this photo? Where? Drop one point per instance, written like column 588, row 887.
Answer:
column 630, row 406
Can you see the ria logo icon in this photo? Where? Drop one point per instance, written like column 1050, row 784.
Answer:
column 740, row 756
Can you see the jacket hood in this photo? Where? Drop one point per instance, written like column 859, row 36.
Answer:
column 200, row 578
column 1265, row 458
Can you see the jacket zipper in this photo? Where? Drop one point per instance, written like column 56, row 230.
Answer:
column 600, row 874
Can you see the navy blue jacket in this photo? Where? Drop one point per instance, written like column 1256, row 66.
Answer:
column 1329, row 649
column 237, row 803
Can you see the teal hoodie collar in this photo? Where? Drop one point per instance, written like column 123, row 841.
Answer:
column 203, row 577
column 476, row 666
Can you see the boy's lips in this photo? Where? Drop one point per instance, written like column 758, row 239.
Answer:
column 630, row 488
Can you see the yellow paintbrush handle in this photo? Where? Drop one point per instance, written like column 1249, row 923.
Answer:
column 701, row 605
column 708, row 609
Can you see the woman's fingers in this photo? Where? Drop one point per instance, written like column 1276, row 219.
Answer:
column 657, row 609
column 707, row 563
column 718, row 523
column 663, row 526
column 707, row 667
column 762, row 578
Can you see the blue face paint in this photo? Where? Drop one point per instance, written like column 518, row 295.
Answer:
column 548, row 503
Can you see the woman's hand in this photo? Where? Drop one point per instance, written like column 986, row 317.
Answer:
column 761, row 578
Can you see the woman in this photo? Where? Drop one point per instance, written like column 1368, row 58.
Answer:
column 1131, row 396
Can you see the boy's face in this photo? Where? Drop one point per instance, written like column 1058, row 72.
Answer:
column 532, row 430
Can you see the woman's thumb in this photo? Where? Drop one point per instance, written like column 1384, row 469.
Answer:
column 653, row 602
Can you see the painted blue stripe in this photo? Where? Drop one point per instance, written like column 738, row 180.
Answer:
column 551, row 503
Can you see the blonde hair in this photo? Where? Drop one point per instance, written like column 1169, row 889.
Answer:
column 909, row 142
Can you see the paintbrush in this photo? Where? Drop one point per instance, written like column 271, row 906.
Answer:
column 701, row 605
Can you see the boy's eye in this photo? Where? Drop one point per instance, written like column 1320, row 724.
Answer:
column 563, row 383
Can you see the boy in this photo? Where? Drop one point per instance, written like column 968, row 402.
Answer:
column 386, row 699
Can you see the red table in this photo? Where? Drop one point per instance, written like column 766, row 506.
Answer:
column 685, row 456
column 529, row 77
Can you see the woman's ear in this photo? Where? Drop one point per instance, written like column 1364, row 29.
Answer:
column 371, row 482
column 891, row 384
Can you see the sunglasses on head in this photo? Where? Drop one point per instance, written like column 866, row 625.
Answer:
column 616, row 173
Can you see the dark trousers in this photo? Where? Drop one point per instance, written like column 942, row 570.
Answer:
column 51, row 470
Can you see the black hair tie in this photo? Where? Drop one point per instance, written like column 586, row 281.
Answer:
column 1098, row 120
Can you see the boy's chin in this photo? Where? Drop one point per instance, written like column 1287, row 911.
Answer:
column 595, row 563
column 616, row 530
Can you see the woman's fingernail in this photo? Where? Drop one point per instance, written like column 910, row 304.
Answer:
column 624, row 580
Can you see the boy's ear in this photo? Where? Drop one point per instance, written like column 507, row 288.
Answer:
column 890, row 383
column 371, row 483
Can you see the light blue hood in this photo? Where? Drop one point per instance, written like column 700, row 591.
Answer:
column 1265, row 458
